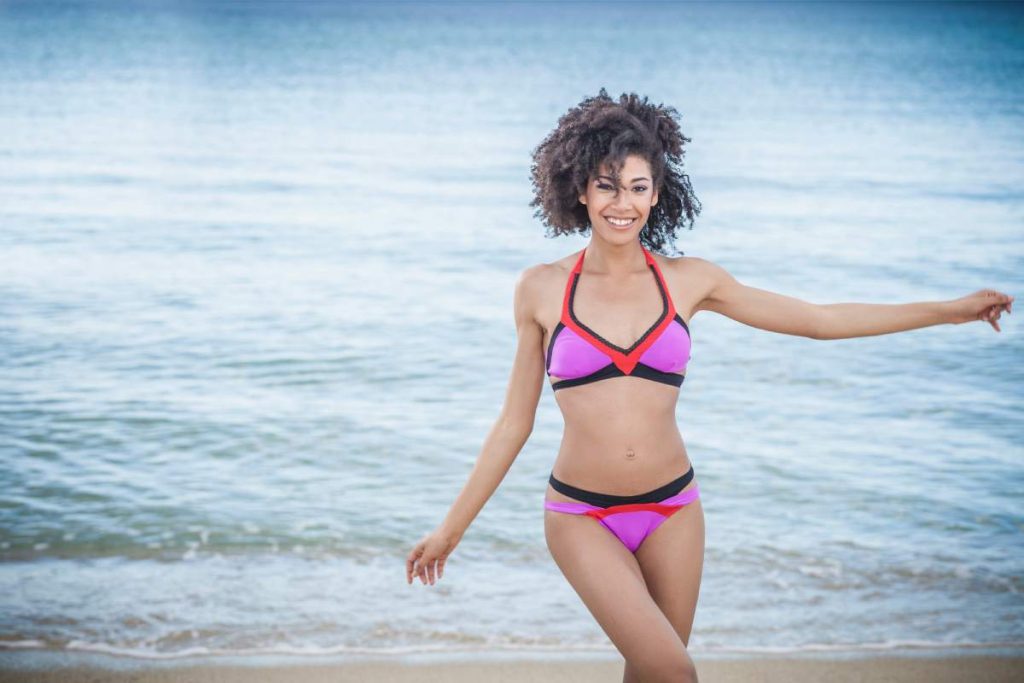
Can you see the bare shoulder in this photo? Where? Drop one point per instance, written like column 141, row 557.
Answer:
column 532, row 279
column 542, row 276
column 693, row 277
column 532, row 288
column 685, row 265
column 692, row 269
column 539, row 287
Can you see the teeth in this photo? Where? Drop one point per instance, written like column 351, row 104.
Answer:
column 620, row 221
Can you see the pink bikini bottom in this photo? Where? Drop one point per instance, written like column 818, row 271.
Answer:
column 630, row 518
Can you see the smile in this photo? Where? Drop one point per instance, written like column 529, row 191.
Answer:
column 620, row 222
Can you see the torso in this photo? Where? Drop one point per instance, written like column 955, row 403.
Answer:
column 621, row 435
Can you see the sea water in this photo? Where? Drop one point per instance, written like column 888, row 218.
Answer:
column 256, row 274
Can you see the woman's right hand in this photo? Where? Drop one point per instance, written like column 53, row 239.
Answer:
column 435, row 547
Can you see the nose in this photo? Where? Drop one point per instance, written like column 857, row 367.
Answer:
column 622, row 199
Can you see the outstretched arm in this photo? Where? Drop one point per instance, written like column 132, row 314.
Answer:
column 788, row 315
column 842, row 321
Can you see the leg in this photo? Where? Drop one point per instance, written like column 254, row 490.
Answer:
column 674, row 588
column 672, row 561
column 607, row 577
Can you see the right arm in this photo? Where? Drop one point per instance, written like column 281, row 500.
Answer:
column 506, row 438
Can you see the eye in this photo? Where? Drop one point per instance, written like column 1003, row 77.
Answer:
column 640, row 188
column 604, row 186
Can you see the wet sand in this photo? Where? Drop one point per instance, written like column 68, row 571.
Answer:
column 890, row 669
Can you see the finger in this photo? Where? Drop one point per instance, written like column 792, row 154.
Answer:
column 991, row 316
column 414, row 571
column 440, row 568
column 430, row 573
column 409, row 562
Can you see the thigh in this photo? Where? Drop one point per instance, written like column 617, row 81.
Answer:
column 672, row 561
column 608, row 579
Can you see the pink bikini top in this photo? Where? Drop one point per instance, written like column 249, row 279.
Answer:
column 578, row 355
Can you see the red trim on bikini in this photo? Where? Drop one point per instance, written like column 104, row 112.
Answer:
column 625, row 362
column 664, row 510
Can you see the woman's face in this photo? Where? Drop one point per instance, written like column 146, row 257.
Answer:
column 632, row 199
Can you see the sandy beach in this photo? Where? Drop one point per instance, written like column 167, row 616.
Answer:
column 891, row 669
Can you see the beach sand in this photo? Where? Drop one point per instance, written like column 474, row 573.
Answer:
column 890, row 669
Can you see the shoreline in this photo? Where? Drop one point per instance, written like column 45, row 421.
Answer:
column 993, row 665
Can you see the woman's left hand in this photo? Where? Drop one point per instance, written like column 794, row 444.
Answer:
column 985, row 304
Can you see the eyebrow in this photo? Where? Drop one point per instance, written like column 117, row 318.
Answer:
column 632, row 181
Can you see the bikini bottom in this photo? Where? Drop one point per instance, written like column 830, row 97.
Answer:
column 630, row 518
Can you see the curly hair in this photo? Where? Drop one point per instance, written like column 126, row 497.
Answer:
column 600, row 131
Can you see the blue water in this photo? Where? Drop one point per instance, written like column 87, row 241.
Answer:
column 256, row 271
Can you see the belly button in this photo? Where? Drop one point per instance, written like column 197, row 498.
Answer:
column 630, row 453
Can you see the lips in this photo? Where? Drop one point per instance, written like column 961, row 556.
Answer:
column 620, row 223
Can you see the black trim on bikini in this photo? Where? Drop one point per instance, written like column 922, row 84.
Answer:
column 607, row 500
column 551, row 344
column 612, row 370
column 664, row 312
column 683, row 323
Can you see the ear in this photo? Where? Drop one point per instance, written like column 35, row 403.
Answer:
column 654, row 197
column 583, row 198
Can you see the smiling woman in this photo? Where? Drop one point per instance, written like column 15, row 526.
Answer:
column 610, row 325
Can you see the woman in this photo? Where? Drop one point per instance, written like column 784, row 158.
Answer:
column 609, row 325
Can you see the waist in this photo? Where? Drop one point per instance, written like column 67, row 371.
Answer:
column 653, row 438
column 602, row 499
column 621, row 463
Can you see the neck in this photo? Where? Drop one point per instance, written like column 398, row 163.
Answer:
column 616, row 260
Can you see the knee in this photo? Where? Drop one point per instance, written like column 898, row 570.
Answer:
column 678, row 668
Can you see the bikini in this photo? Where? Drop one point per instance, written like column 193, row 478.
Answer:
column 578, row 355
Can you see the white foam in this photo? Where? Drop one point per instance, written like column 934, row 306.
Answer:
column 497, row 647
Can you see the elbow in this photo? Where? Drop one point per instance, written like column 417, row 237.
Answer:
column 820, row 322
column 518, row 426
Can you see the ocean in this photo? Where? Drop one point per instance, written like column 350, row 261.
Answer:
column 256, row 273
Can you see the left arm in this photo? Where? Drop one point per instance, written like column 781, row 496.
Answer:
column 844, row 321
column 788, row 315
